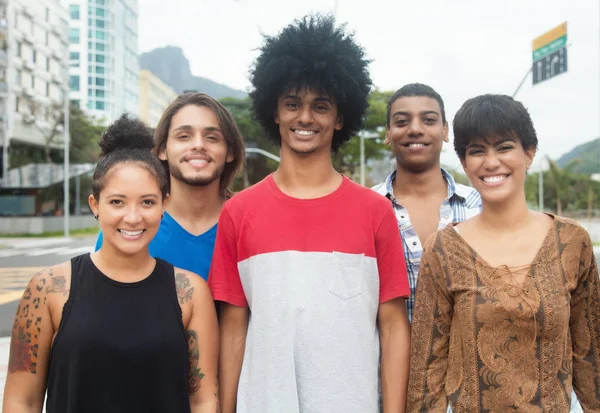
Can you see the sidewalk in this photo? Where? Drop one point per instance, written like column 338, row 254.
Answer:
column 32, row 242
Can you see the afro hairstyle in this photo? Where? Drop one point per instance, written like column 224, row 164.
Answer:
column 312, row 53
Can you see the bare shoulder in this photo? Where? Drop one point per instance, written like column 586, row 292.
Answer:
column 190, row 286
column 51, row 280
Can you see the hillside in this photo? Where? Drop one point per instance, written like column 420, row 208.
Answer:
column 171, row 66
column 588, row 153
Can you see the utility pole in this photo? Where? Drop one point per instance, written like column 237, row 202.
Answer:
column 66, row 212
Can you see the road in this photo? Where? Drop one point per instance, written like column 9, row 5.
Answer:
column 21, row 258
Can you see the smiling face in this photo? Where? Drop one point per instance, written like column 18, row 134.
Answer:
column 196, row 149
column 129, row 208
column 497, row 169
column 307, row 121
column 416, row 133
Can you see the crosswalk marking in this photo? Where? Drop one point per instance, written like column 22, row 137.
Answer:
column 13, row 282
column 36, row 252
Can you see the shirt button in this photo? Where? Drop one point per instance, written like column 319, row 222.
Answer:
column 401, row 216
column 446, row 217
column 414, row 242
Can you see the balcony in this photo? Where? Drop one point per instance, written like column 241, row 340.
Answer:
column 29, row 65
column 27, row 11
column 27, row 91
column 28, row 38
column 57, row 79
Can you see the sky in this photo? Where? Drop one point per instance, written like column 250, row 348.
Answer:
column 462, row 48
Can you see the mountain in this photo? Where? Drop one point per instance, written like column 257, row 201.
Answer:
column 588, row 153
column 171, row 66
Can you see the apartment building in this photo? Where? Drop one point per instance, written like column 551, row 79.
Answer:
column 33, row 77
column 155, row 96
column 103, row 57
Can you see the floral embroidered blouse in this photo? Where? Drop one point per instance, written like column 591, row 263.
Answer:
column 481, row 343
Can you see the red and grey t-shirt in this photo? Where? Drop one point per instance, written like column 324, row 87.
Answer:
column 313, row 273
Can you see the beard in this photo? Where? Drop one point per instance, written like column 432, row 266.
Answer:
column 176, row 173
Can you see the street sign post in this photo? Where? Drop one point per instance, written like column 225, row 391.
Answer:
column 549, row 54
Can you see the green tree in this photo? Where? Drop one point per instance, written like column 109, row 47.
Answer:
column 560, row 182
column 256, row 166
column 85, row 134
column 347, row 159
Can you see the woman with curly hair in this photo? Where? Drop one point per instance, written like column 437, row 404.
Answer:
column 117, row 330
column 507, row 310
column 307, row 264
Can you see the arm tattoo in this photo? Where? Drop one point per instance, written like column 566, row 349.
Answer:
column 27, row 326
column 184, row 288
column 194, row 372
column 58, row 284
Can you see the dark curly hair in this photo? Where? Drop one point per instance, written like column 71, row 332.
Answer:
column 128, row 140
column 312, row 53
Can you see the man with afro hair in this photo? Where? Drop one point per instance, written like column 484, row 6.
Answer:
column 308, row 266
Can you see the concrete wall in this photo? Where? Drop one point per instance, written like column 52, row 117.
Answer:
column 39, row 225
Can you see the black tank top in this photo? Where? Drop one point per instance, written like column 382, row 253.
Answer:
column 120, row 347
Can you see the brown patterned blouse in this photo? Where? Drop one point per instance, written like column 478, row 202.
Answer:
column 482, row 343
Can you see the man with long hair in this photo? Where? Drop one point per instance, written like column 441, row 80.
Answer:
column 202, row 149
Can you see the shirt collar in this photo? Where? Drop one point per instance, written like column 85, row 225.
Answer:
column 460, row 191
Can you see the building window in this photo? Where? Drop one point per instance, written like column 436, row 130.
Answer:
column 99, row 105
column 34, row 56
column 75, row 102
column 99, row 93
column 33, row 81
column 74, row 35
column 18, row 102
column 74, row 10
column 99, row 81
column 99, row 70
column 100, row 58
column 74, row 59
column 48, row 64
column 48, row 89
column 90, row 104
column 47, row 14
column 19, row 49
column 74, row 83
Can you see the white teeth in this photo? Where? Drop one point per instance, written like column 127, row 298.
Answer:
column 131, row 233
column 416, row 145
column 304, row 132
column 496, row 178
column 197, row 162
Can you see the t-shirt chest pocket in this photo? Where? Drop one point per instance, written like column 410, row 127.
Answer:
column 346, row 276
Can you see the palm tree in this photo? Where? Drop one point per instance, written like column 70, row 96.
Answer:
column 560, row 179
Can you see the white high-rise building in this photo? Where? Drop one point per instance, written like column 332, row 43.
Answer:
column 104, row 65
column 33, row 74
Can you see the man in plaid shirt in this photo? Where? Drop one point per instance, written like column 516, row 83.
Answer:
column 425, row 197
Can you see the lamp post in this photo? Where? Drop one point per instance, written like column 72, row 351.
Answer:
column 364, row 135
column 66, row 212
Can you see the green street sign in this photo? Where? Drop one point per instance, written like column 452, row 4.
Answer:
column 549, row 48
